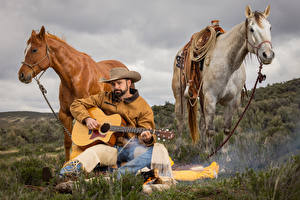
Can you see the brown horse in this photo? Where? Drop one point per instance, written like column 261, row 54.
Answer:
column 78, row 72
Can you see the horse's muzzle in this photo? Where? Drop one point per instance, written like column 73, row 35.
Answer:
column 25, row 78
column 267, row 57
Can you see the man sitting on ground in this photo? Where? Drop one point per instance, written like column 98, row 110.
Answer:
column 125, row 101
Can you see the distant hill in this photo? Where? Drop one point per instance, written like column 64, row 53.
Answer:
column 268, row 132
column 17, row 118
column 274, row 114
column 24, row 114
column 267, row 136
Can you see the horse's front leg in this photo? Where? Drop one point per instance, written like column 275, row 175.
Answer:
column 209, row 111
column 228, row 113
column 202, row 126
column 66, row 119
column 230, row 109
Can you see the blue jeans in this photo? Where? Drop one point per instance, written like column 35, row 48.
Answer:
column 133, row 163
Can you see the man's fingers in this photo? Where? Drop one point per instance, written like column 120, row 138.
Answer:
column 95, row 125
column 146, row 135
column 92, row 124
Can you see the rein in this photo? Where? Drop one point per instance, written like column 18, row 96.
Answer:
column 31, row 66
column 260, row 78
column 42, row 88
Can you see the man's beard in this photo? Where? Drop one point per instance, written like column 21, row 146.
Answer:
column 119, row 93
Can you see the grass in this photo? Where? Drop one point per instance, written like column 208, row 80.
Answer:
column 22, row 166
column 255, row 164
column 275, row 182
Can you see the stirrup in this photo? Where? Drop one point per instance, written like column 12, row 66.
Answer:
column 73, row 168
column 186, row 93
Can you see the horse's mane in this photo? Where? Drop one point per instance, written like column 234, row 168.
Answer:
column 259, row 17
column 49, row 35
column 56, row 38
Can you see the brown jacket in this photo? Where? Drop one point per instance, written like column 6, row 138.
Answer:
column 134, row 110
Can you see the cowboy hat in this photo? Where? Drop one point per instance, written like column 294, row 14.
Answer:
column 121, row 73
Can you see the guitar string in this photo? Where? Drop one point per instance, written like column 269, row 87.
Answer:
column 138, row 131
column 130, row 129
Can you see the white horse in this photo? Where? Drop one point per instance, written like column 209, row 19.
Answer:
column 224, row 72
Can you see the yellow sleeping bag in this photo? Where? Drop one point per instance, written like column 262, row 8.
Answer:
column 194, row 174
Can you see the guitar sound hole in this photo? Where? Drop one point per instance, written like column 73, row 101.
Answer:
column 105, row 127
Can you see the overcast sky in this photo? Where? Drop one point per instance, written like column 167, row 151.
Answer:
column 144, row 35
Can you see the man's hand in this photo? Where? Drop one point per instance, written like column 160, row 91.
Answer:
column 91, row 123
column 146, row 136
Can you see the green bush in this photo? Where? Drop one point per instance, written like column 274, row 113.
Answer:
column 282, row 182
column 30, row 176
column 29, row 170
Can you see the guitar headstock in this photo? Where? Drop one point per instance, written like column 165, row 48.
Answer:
column 164, row 134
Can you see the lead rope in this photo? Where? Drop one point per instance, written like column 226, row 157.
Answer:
column 42, row 88
column 44, row 92
column 260, row 77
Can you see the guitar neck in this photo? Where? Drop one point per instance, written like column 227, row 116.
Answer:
column 129, row 129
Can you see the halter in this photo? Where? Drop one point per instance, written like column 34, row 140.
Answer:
column 256, row 48
column 31, row 66
column 42, row 88
column 260, row 78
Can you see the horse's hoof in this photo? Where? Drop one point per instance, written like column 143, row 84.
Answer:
column 210, row 133
column 226, row 131
column 207, row 151
column 228, row 159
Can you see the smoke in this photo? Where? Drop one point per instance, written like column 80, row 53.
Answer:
column 250, row 151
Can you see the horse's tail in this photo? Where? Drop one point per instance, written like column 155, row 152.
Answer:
column 192, row 114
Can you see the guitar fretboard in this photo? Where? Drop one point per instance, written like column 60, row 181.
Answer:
column 129, row 129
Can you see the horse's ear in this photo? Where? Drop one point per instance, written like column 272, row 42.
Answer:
column 267, row 11
column 32, row 37
column 248, row 11
column 42, row 33
column 33, row 33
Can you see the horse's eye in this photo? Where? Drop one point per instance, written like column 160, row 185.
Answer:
column 251, row 30
column 270, row 27
column 34, row 50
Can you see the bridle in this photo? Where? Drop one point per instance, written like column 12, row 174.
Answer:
column 256, row 48
column 31, row 66
column 260, row 78
column 41, row 87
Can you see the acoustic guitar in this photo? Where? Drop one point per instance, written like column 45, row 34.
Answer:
column 109, row 124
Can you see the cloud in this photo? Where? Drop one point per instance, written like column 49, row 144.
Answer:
column 144, row 35
column 285, row 65
column 16, row 96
